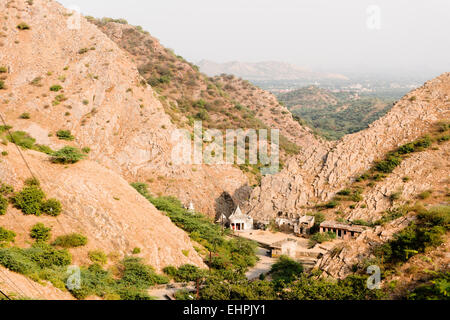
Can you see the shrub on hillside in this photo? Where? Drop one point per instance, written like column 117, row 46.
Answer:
column 98, row 256
column 65, row 135
column 55, row 88
column 6, row 237
column 389, row 164
column 138, row 275
column 51, row 207
column 3, row 205
column 70, row 241
column 21, row 139
column 25, row 116
column 32, row 182
column 29, row 200
column 2, row 84
column 40, row 232
column 67, row 155
column 23, row 26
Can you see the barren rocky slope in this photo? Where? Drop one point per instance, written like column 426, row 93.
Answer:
column 104, row 101
column 223, row 102
column 99, row 204
column 18, row 286
column 320, row 177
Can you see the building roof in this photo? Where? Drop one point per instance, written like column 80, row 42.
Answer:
column 306, row 219
column 238, row 215
column 336, row 225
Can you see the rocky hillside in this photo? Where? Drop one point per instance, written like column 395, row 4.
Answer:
column 101, row 98
column 82, row 82
column 305, row 183
column 334, row 115
column 224, row 102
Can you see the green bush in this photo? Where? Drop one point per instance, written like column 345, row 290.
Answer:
column 332, row 204
column 65, row 135
column 42, row 148
column 171, row 271
column 136, row 250
column 51, row 207
column 55, row 88
column 32, row 182
column 388, row 165
column 286, row 269
column 29, row 200
column 321, row 237
column 25, row 115
column 3, row 205
column 23, row 26
column 73, row 240
column 425, row 194
column 6, row 189
column 98, row 256
column 437, row 288
column 188, row 273
column 67, row 155
column 345, row 192
column 40, row 232
column 32, row 260
column 3, row 69
column 21, row 139
column 2, row 85
column 6, row 237
column 138, row 275
column 426, row 232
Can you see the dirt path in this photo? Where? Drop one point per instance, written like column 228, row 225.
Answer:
column 262, row 266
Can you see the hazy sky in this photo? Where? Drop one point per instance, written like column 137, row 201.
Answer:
column 413, row 35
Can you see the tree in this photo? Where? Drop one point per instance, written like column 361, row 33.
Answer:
column 67, row 155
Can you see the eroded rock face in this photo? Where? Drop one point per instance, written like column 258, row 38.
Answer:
column 341, row 260
column 318, row 173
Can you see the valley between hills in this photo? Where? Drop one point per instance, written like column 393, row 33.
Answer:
column 87, row 176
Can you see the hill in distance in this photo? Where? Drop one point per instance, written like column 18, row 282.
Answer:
column 266, row 70
column 333, row 115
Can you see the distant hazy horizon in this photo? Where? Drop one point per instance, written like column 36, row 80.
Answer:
column 348, row 36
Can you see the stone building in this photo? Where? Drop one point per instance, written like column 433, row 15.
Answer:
column 239, row 221
column 299, row 226
column 342, row 231
column 304, row 225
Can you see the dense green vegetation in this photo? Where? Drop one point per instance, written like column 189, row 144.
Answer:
column 290, row 284
column 286, row 270
column 334, row 115
column 129, row 279
column 427, row 231
column 437, row 288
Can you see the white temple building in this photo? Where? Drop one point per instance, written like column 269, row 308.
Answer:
column 239, row 221
column 190, row 207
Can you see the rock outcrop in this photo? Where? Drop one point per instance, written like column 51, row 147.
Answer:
column 317, row 175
